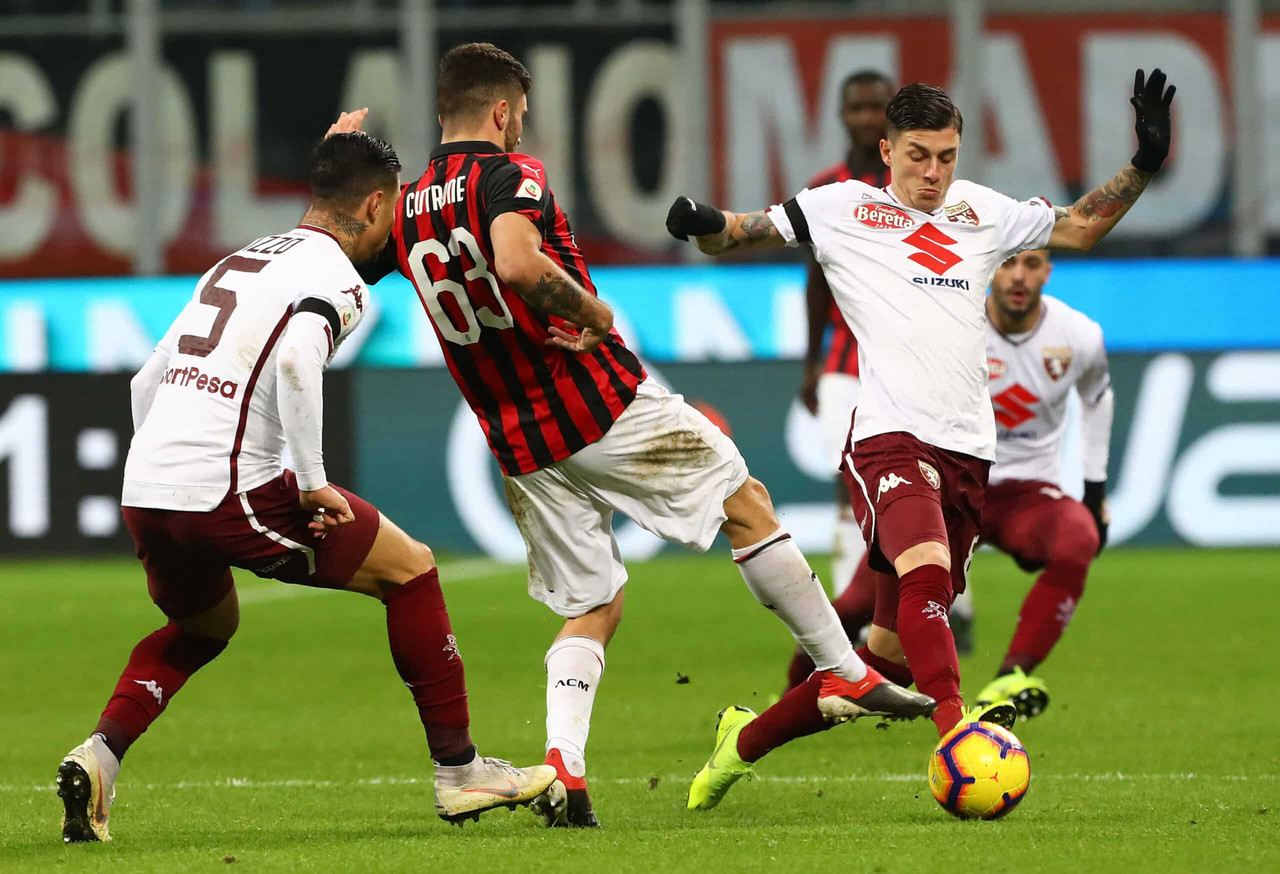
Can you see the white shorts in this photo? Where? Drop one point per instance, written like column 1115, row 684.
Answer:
column 837, row 396
column 662, row 463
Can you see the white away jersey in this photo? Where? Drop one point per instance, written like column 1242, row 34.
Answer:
column 911, row 285
column 1031, row 376
column 214, row 426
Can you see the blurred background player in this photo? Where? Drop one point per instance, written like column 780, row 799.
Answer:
column 830, row 386
column 577, row 428
column 237, row 377
column 1038, row 351
column 909, row 266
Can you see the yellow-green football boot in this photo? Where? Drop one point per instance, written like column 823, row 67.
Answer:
column 725, row 767
column 1029, row 694
column 1002, row 712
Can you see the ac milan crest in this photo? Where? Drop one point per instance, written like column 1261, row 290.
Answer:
column 1056, row 361
column 961, row 213
column 930, row 474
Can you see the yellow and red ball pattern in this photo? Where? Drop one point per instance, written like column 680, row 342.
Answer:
column 979, row 771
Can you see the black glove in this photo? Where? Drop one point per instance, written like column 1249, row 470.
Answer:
column 688, row 218
column 1151, row 104
column 1095, row 499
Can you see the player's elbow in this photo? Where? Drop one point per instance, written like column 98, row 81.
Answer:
column 518, row 269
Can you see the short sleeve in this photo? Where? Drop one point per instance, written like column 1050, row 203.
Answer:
column 1096, row 377
column 1024, row 224
column 520, row 185
column 810, row 215
column 341, row 308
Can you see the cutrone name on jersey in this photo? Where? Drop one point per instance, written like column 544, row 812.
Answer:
column 435, row 196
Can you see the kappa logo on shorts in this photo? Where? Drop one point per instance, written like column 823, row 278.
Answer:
column 1051, row 492
column 892, row 481
column 930, row 474
column 934, row 610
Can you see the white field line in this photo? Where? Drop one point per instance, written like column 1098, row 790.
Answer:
column 461, row 570
column 250, row 783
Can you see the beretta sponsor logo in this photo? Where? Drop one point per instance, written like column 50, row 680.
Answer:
column 997, row 367
column 882, row 216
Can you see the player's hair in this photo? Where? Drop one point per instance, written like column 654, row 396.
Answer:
column 866, row 76
column 346, row 167
column 922, row 107
column 474, row 76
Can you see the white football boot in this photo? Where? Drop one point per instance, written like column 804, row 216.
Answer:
column 87, row 786
column 466, row 791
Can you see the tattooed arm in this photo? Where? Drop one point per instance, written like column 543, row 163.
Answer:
column 751, row 230
column 543, row 285
column 1092, row 217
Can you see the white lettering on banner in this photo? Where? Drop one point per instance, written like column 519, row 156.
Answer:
column 26, row 335
column 25, row 96
column 1153, row 443
column 705, row 328
column 1192, row 180
column 117, row 340
column 1198, row 512
column 1269, row 97
column 1026, row 164
column 1203, row 516
column 640, row 69
column 240, row 213
column 373, row 80
column 98, row 102
column 764, row 103
column 24, row 450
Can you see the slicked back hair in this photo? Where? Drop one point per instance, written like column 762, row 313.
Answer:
column 474, row 76
column 922, row 107
column 345, row 168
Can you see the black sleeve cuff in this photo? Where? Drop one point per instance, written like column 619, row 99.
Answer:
column 799, row 224
column 1094, row 492
column 322, row 308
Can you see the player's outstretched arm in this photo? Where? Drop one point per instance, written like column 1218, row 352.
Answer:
column 1092, row 217
column 543, row 285
column 716, row 231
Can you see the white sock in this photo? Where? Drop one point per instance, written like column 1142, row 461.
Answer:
column 574, row 667
column 846, row 551
column 107, row 759
column 780, row 578
column 963, row 604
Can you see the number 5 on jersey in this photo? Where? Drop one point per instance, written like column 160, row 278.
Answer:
column 431, row 291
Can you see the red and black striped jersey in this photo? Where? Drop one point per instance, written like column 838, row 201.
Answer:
column 537, row 404
column 842, row 356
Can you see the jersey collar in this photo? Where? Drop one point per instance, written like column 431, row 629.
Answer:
column 462, row 147
column 1026, row 335
column 319, row 230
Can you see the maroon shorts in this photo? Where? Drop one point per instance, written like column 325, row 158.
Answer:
column 1035, row 522
column 944, row 489
column 188, row 556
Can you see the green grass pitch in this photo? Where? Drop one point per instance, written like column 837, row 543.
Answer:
column 299, row 749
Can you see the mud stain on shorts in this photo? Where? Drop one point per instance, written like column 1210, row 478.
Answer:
column 521, row 507
column 673, row 451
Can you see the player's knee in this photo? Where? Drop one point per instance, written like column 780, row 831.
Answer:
column 421, row 559
column 1075, row 543
column 920, row 555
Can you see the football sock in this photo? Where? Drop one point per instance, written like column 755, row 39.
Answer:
column 891, row 671
column 574, row 667
column 924, row 596
column 856, row 607
column 795, row 715
column 426, row 656
column 158, row 667
column 847, row 550
column 1045, row 614
column 780, row 578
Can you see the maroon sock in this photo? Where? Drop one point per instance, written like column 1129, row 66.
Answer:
column 924, row 599
column 158, row 667
column 795, row 715
column 856, row 606
column 426, row 655
column 1045, row 614
column 891, row 671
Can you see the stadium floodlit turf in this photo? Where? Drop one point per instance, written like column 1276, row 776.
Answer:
column 299, row 749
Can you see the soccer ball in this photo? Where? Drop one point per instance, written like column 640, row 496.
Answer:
column 979, row 771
